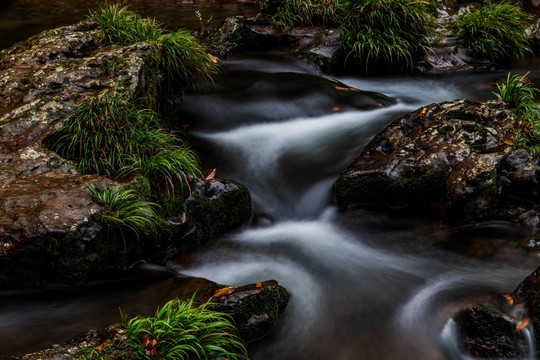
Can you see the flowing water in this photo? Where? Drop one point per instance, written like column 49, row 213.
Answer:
column 364, row 284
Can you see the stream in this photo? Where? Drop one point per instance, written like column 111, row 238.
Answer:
column 364, row 283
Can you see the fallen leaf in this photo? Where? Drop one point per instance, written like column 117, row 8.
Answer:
column 345, row 88
column 153, row 352
column 335, row 108
column 380, row 104
column 509, row 299
column 146, row 340
column 184, row 126
column 154, row 343
column 259, row 284
column 209, row 174
column 103, row 345
column 423, row 112
column 522, row 324
column 213, row 58
column 224, row 291
column 508, row 142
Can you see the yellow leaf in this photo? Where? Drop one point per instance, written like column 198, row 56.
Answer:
column 509, row 299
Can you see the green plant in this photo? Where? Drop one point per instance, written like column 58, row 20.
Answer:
column 519, row 92
column 109, row 135
column 121, row 208
column 385, row 35
column 495, row 31
column 181, row 57
column 181, row 330
column 287, row 13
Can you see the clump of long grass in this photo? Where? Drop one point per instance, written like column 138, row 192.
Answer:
column 385, row 35
column 495, row 31
column 519, row 92
column 182, row 330
column 120, row 208
column 109, row 135
column 179, row 54
column 288, row 13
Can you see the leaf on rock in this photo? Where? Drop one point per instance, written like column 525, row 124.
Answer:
column 224, row 291
column 509, row 299
column 209, row 174
column 522, row 324
column 259, row 284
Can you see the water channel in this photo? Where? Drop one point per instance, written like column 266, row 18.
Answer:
column 365, row 283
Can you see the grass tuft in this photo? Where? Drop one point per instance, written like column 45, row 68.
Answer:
column 121, row 208
column 181, row 57
column 495, row 31
column 288, row 13
column 519, row 92
column 110, row 136
column 385, row 35
column 181, row 330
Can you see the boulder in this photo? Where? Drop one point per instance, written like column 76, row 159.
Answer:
column 254, row 309
column 455, row 159
column 48, row 231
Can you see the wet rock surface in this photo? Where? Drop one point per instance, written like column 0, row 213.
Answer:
column 454, row 159
column 496, row 328
column 47, row 228
column 254, row 309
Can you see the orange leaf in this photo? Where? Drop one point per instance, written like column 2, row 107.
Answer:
column 153, row 352
column 259, row 284
column 509, row 299
column 146, row 340
column 209, row 174
column 335, row 108
column 380, row 104
column 423, row 112
column 224, row 291
column 103, row 345
column 345, row 88
column 522, row 324
column 508, row 142
column 154, row 342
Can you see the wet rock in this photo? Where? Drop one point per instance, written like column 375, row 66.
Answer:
column 254, row 308
column 451, row 158
column 488, row 333
column 316, row 44
column 496, row 328
column 214, row 207
column 47, row 228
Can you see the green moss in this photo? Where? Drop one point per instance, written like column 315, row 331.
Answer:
column 481, row 204
column 445, row 129
column 143, row 188
column 270, row 303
